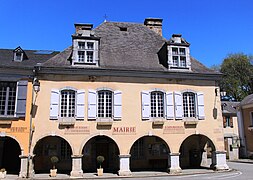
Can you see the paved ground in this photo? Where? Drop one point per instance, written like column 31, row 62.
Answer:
column 241, row 169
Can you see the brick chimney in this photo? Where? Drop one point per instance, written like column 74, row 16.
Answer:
column 83, row 29
column 155, row 24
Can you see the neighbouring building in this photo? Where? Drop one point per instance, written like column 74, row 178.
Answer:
column 230, row 125
column 245, row 122
column 16, row 84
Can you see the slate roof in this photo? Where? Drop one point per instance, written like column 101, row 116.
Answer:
column 247, row 100
column 134, row 49
column 229, row 107
column 33, row 57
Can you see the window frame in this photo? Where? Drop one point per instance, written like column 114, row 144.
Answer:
column 85, row 50
column 7, row 100
column 179, row 55
column 156, row 106
column 105, row 109
column 187, row 112
column 68, row 90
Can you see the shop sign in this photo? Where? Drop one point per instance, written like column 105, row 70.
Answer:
column 174, row 130
column 77, row 130
column 123, row 130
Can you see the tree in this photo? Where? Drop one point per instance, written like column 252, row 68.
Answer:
column 237, row 76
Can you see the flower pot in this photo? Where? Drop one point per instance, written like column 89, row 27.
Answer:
column 2, row 175
column 53, row 172
column 100, row 171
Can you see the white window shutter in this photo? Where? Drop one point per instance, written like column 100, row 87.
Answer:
column 201, row 110
column 145, row 97
column 117, row 105
column 54, row 104
column 20, row 107
column 80, row 104
column 92, row 104
column 178, row 105
column 169, row 105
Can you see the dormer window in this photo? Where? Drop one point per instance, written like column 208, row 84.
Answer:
column 178, row 53
column 18, row 54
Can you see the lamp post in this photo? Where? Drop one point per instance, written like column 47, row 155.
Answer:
column 35, row 90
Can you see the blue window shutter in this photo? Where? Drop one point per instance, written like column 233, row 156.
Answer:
column 21, row 98
column 201, row 110
column 54, row 104
column 80, row 104
column 169, row 106
column 92, row 104
column 117, row 105
column 178, row 105
column 145, row 98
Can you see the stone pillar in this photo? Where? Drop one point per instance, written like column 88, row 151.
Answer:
column 124, row 163
column 23, row 173
column 173, row 162
column 219, row 160
column 76, row 166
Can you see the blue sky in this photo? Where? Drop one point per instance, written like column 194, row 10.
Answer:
column 214, row 28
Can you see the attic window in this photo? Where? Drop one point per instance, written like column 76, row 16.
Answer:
column 123, row 28
column 18, row 54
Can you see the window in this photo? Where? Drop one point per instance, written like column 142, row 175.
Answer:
column 157, row 104
column 18, row 56
column 178, row 57
column 227, row 121
column 7, row 98
column 105, row 104
column 68, row 103
column 138, row 149
column 189, row 104
column 85, row 52
column 65, row 150
column 251, row 118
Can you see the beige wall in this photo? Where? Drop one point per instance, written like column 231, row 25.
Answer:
column 247, row 122
column 131, row 112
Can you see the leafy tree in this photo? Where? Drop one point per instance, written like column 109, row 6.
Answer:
column 237, row 76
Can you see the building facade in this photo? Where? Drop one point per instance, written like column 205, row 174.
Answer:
column 245, row 120
column 230, row 127
column 16, row 96
column 123, row 91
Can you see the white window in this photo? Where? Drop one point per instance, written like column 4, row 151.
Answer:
column 86, row 52
column 18, row 56
column 157, row 104
column 179, row 57
column 189, row 104
column 13, row 98
column 68, row 103
column 105, row 104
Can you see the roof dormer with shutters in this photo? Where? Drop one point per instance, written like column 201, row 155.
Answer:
column 19, row 54
column 178, row 53
column 85, row 46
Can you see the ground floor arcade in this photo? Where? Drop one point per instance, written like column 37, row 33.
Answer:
column 147, row 153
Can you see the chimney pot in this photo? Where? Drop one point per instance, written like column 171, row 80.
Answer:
column 155, row 24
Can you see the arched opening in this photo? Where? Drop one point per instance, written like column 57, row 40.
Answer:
column 196, row 152
column 100, row 146
column 9, row 155
column 149, row 153
column 48, row 147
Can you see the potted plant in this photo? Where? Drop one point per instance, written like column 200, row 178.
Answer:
column 2, row 173
column 54, row 160
column 100, row 160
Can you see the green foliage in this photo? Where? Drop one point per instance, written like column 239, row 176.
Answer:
column 100, row 160
column 54, row 160
column 237, row 76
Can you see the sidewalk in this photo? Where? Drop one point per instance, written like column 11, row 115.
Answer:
column 114, row 176
column 243, row 161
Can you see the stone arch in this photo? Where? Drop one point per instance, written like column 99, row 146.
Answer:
column 10, row 151
column 196, row 151
column 149, row 153
column 100, row 145
column 48, row 147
